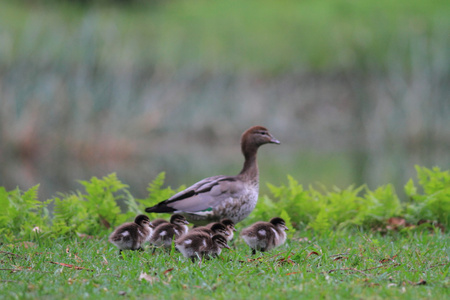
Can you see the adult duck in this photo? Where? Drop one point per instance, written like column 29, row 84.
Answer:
column 218, row 197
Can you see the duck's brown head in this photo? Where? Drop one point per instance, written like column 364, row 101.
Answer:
column 178, row 219
column 258, row 135
column 254, row 137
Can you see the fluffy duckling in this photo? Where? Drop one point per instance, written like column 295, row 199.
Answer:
column 164, row 233
column 264, row 236
column 218, row 197
column 230, row 228
column 200, row 245
column 213, row 228
column 130, row 236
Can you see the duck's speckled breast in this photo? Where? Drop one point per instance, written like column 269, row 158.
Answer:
column 238, row 208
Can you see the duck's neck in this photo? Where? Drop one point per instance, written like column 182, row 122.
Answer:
column 250, row 169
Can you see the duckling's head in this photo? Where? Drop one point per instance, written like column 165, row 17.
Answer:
column 257, row 136
column 279, row 223
column 228, row 223
column 220, row 228
column 220, row 241
column 142, row 220
column 178, row 219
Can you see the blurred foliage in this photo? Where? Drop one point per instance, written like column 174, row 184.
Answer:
column 322, row 210
column 251, row 35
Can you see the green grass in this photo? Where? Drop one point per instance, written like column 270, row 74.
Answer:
column 353, row 265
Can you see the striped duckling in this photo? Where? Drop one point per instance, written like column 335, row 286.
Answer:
column 200, row 245
column 230, row 228
column 164, row 233
column 131, row 236
column 212, row 229
column 264, row 236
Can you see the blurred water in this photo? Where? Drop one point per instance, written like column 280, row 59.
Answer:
column 337, row 129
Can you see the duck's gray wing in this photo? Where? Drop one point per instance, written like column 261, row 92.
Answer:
column 201, row 196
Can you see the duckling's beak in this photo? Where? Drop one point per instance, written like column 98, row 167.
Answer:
column 185, row 222
column 234, row 229
column 285, row 228
column 226, row 246
column 226, row 233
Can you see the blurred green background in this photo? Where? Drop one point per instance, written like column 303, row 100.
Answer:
column 356, row 91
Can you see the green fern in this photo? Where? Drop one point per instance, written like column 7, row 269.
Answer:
column 70, row 215
column 22, row 212
column 156, row 193
column 322, row 210
column 101, row 202
column 434, row 203
column 321, row 223
column 378, row 206
column 293, row 198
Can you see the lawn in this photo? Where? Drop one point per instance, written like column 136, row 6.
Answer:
column 408, row 265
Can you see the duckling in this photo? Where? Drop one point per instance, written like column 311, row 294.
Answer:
column 230, row 228
column 200, row 245
column 131, row 236
column 218, row 197
column 213, row 228
column 218, row 242
column 164, row 233
column 264, row 236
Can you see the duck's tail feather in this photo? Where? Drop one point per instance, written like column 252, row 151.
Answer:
column 160, row 208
